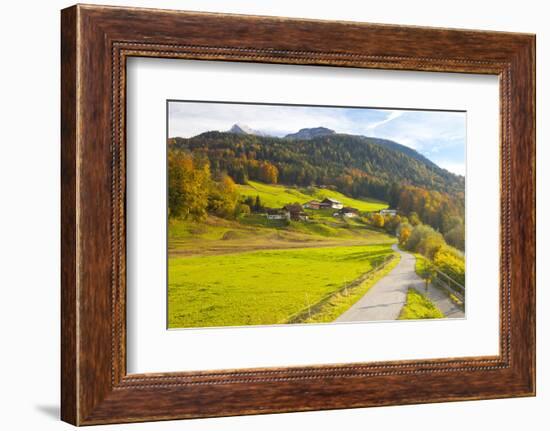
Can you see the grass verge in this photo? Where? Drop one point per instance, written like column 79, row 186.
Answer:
column 419, row 307
column 329, row 309
column 422, row 266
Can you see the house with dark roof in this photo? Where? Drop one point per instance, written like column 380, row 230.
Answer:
column 331, row 203
column 312, row 205
column 296, row 212
column 348, row 212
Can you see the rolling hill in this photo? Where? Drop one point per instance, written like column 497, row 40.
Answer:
column 320, row 157
column 275, row 196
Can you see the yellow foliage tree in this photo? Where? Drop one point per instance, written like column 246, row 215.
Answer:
column 223, row 198
column 378, row 220
column 268, row 173
column 404, row 234
column 188, row 185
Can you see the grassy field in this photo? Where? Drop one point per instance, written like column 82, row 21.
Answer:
column 255, row 271
column 255, row 232
column 261, row 287
column 274, row 196
column 419, row 307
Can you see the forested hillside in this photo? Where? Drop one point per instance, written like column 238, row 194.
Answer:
column 356, row 166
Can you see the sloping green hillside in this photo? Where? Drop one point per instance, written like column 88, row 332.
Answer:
column 275, row 196
column 322, row 160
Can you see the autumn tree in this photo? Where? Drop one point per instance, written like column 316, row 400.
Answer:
column 451, row 262
column 188, row 185
column 378, row 220
column 268, row 173
column 223, row 197
column 414, row 219
column 404, row 232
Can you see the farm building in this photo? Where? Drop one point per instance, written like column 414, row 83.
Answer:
column 348, row 212
column 388, row 212
column 312, row 205
column 331, row 203
column 276, row 214
column 296, row 212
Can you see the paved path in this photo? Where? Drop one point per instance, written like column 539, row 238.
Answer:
column 385, row 299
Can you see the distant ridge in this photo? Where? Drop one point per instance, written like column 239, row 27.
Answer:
column 321, row 133
column 311, row 133
column 242, row 129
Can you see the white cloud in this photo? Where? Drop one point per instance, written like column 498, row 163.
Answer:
column 455, row 168
column 190, row 119
column 437, row 135
column 392, row 116
column 427, row 132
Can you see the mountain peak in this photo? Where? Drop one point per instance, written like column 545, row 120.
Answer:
column 243, row 129
column 310, row 133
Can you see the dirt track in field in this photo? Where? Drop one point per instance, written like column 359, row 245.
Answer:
column 216, row 247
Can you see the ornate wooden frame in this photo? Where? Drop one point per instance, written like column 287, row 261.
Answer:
column 96, row 41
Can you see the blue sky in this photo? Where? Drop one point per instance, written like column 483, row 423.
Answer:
column 438, row 135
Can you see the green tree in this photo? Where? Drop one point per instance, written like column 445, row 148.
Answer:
column 456, row 236
column 430, row 244
column 449, row 222
column 391, row 223
column 419, row 234
column 242, row 209
column 249, row 201
column 414, row 219
column 241, row 176
column 258, row 204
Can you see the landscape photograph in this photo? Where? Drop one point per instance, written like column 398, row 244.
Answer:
column 295, row 214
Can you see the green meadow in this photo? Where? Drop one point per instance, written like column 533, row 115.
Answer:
column 253, row 271
column 276, row 196
column 261, row 287
column 254, row 232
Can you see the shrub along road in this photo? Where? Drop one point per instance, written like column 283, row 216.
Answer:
column 386, row 298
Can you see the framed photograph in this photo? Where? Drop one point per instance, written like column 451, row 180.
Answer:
column 264, row 215
column 313, row 225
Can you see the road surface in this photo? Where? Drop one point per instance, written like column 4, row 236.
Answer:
column 385, row 299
